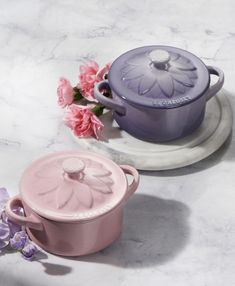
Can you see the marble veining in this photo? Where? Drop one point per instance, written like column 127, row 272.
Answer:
column 179, row 228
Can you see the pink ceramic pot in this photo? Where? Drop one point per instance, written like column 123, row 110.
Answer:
column 73, row 201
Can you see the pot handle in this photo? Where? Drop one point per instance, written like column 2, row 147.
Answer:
column 218, row 85
column 106, row 101
column 29, row 221
column 136, row 178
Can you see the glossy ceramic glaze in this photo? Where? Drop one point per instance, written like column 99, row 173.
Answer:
column 73, row 201
column 159, row 92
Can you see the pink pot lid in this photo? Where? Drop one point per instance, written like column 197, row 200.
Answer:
column 73, row 185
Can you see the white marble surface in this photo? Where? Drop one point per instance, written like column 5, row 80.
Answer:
column 180, row 226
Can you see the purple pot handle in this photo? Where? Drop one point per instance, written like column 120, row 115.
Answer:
column 106, row 101
column 218, row 85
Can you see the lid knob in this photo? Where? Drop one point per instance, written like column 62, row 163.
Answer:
column 73, row 166
column 159, row 57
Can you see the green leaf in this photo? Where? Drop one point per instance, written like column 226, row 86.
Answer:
column 98, row 110
column 77, row 94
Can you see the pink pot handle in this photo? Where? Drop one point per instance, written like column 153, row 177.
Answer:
column 29, row 221
column 136, row 178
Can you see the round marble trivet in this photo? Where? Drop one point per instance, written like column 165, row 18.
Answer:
column 125, row 149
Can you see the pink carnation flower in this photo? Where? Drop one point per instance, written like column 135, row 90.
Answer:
column 89, row 76
column 65, row 93
column 88, row 79
column 82, row 121
column 102, row 72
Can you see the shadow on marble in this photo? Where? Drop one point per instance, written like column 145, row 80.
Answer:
column 225, row 152
column 7, row 250
column 111, row 130
column 51, row 268
column 55, row 269
column 155, row 230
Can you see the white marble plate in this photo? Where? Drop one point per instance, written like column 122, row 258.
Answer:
column 125, row 149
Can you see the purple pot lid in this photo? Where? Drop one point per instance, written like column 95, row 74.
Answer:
column 159, row 77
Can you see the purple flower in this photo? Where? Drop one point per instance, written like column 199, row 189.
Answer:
column 14, row 228
column 4, row 235
column 29, row 251
column 19, row 240
column 4, row 217
column 9, row 231
column 4, row 197
column 12, row 233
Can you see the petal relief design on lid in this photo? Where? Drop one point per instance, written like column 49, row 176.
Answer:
column 132, row 72
column 62, row 196
column 166, row 84
column 74, row 192
column 145, row 86
column 183, row 64
column 99, row 171
column 51, row 187
column 139, row 60
column 193, row 75
column 97, row 184
column 83, row 195
column 141, row 75
column 99, row 179
column 49, row 170
column 179, row 87
column 183, row 79
column 146, row 83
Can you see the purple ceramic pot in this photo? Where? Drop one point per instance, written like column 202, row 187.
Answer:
column 159, row 93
